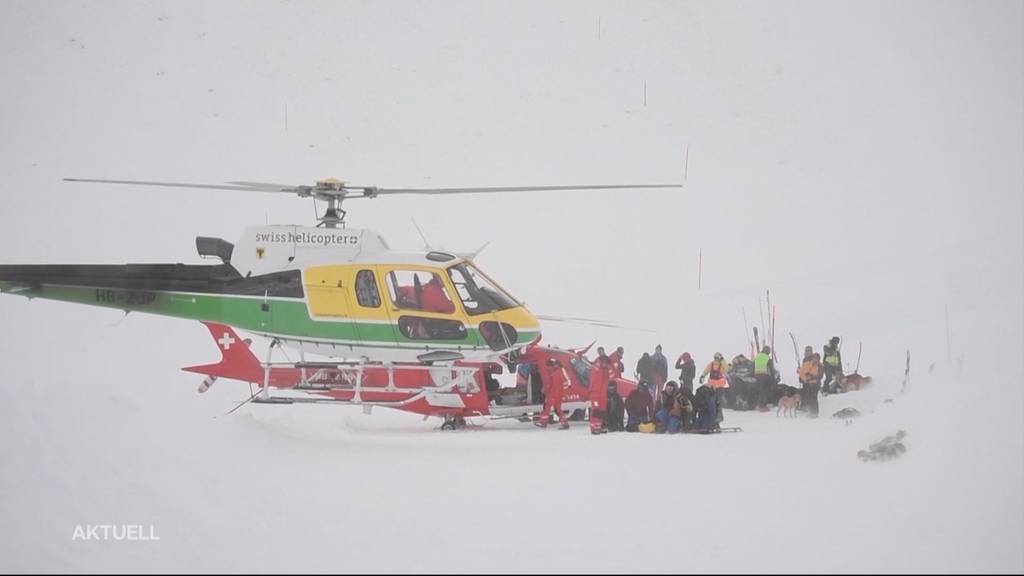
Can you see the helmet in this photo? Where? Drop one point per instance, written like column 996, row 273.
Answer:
column 718, row 356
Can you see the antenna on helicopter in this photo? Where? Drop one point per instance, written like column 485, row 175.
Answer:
column 334, row 192
column 426, row 243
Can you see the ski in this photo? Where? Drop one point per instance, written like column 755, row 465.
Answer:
column 714, row 431
column 796, row 350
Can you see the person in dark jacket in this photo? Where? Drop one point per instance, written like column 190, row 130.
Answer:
column 615, row 413
column 660, row 368
column 639, row 407
column 706, row 409
column 686, row 405
column 645, row 369
column 742, row 384
column 687, row 370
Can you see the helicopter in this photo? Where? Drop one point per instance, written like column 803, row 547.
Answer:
column 325, row 289
column 453, row 392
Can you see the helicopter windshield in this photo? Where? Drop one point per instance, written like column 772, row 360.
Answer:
column 478, row 294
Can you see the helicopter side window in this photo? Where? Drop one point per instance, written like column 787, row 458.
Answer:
column 418, row 328
column 366, row 289
column 419, row 290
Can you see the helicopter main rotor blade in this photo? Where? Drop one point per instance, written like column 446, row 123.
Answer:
column 371, row 192
column 268, row 186
column 178, row 185
column 589, row 321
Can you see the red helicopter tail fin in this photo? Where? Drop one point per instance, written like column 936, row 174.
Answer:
column 237, row 360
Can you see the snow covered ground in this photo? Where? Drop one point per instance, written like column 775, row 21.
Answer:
column 861, row 160
column 332, row 489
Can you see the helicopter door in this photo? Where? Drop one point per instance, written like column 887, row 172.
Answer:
column 369, row 314
column 327, row 298
column 423, row 312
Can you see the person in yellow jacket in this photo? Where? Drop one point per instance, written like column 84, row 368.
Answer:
column 715, row 372
column 766, row 377
column 810, row 374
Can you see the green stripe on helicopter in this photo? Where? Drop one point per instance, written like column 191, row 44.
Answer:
column 286, row 318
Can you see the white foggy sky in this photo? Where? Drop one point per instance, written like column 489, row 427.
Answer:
column 861, row 159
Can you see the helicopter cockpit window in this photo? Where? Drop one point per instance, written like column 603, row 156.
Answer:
column 478, row 294
column 419, row 290
column 366, row 289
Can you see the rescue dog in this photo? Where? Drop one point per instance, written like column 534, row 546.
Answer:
column 788, row 405
column 853, row 382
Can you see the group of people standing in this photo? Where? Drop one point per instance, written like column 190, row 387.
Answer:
column 675, row 406
column 666, row 405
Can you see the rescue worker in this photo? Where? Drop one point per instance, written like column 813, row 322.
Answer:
column 742, row 384
column 687, row 369
column 645, row 369
column 706, row 409
column 810, row 381
column 764, row 374
column 716, row 371
column 660, row 371
column 668, row 413
column 616, row 410
column 555, row 380
column 685, row 406
column 616, row 358
column 639, row 407
column 599, row 376
column 833, row 365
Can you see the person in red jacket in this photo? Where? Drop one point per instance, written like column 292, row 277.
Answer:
column 599, row 375
column 639, row 407
column 434, row 298
column 616, row 358
column 555, row 380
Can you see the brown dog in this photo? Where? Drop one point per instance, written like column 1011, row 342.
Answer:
column 854, row 382
column 788, row 405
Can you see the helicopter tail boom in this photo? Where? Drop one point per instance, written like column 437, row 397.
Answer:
column 200, row 292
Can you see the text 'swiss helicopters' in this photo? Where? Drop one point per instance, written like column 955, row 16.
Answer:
column 421, row 331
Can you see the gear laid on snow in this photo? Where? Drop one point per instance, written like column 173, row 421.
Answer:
column 847, row 413
column 888, row 448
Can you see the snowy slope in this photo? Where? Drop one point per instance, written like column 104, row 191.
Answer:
column 860, row 160
column 324, row 489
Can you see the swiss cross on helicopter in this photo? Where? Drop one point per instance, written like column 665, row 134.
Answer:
column 418, row 331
